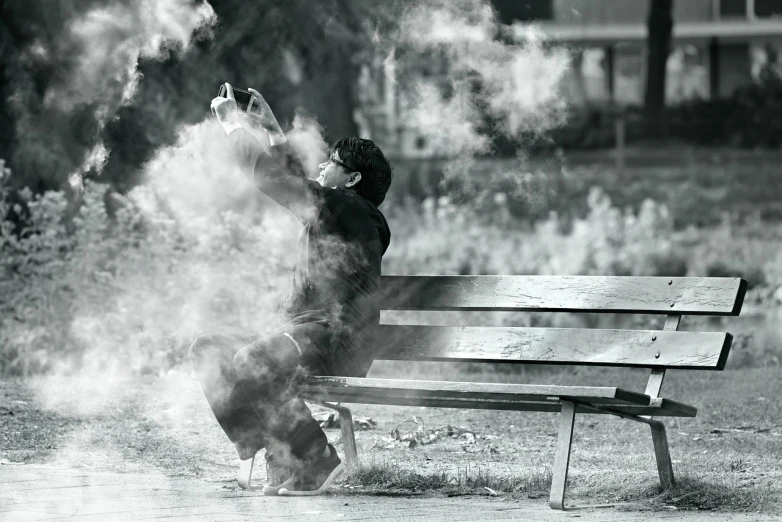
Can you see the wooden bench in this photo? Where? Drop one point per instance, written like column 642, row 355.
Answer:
column 657, row 350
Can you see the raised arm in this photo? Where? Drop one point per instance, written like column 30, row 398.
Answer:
column 278, row 173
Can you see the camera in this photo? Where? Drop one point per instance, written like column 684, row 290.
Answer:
column 243, row 98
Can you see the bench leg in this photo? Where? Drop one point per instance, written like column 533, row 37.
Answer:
column 348, row 438
column 245, row 474
column 562, row 455
column 346, row 426
column 662, row 454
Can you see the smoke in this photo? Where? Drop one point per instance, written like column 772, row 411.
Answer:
column 213, row 251
column 196, row 176
column 201, row 248
column 108, row 42
column 306, row 137
column 94, row 64
column 490, row 80
column 138, row 299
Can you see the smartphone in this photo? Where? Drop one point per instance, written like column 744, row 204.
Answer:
column 243, row 98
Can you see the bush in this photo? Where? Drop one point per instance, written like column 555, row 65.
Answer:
column 750, row 118
column 754, row 275
column 756, row 118
column 128, row 291
column 440, row 237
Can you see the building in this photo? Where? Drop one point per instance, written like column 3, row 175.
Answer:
column 718, row 45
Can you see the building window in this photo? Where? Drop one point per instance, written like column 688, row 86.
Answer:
column 687, row 74
column 765, row 58
column 595, row 69
column 420, row 143
column 768, row 8
column 629, row 75
column 733, row 8
column 510, row 11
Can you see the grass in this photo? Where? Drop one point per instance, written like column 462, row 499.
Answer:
column 718, row 494
column 724, row 459
column 389, row 476
column 724, row 492
column 697, row 190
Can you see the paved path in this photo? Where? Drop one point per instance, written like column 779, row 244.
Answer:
column 35, row 492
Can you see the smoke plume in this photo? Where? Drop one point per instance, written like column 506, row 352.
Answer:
column 494, row 73
column 214, row 251
column 94, row 64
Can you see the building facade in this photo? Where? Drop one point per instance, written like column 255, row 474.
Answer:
column 717, row 47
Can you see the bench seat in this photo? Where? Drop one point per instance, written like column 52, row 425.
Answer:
column 517, row 397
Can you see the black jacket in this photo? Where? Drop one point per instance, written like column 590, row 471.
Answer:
column 337, row 274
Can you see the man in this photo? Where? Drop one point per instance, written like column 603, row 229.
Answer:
column 332, row 308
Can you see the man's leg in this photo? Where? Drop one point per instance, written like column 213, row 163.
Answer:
column 212, row 358
column 267, row 370
column 279, row 361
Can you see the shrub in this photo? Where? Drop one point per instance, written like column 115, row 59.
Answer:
column 128, row 291
column 720, row 268
column 756, row 118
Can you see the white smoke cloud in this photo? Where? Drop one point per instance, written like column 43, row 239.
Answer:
column 518, row 76
column 507, row 73
column 104, row 46
column 197, row 175
column 111, row 39
column 306, row 137
column 197, row 185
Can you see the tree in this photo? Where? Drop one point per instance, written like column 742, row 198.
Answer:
column 298, row 53
column 660, row 26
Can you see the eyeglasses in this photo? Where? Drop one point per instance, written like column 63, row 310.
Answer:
column 337, row 162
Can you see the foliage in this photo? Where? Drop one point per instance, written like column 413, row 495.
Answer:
column 131, row 289
column 756, row 119
column 293, row 64
column 749, row 118
column 606, row 242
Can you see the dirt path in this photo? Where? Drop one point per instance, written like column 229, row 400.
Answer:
column 36, row 492
column 162, row 428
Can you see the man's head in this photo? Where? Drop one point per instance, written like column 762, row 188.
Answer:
column 360, row 165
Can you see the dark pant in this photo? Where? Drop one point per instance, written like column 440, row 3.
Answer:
column 250, row 385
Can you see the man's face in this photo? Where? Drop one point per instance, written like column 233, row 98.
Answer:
column 335, row 174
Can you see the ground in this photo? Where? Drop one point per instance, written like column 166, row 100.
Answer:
column 726, row 459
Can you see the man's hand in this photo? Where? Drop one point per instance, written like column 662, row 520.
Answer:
column 262, row 116
column 225, row 110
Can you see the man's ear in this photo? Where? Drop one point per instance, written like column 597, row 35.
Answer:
column 355, row 177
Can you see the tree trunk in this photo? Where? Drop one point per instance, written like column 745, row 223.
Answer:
column 337, row 98
column 660, row 27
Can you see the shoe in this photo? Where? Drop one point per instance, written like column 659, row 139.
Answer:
column 278, row 474
column 314, row 478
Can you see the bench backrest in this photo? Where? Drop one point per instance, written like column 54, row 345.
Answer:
column 656, row 349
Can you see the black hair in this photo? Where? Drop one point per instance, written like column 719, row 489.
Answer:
column 365, row 157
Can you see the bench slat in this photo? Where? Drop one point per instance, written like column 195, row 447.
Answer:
column 684, row 295
column 317, row 389
column 349, row 386
column 635, row 348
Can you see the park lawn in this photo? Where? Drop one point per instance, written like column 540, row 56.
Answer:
column 696, row 191
column 727, row 458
